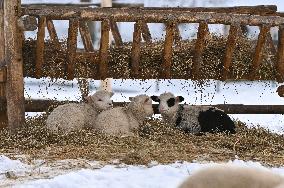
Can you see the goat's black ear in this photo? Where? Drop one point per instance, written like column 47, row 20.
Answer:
column 180, row 98
column 155, row 98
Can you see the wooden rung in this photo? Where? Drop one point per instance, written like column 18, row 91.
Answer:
column 280, row 55
column 177, row 34
column 115, row 33
column 230, row 47
column 256, row 63
column 168, row 50
column 86, row 36
column 271, row 44
column 72, row 46
column 135, row 51
column 198, row 49
column 40, row 47
column 103, row 55
column 53, row 34
column 146, row 33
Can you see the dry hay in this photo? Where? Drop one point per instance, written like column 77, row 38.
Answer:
column 151, row 58
column 153, row 142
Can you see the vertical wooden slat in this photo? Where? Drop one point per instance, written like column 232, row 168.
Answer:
column 168, row 50
column 271, row 44
column 177, row 34
column 103, row 55
column 86, row 36
column 135, row 51
column 53, row 34
column 146, row 33
column 256, row 63
column 40, row 46
column 3, row 113
column 72, row 47
column 230, row 47
column 198, row 49
column 2, row 41
column 15, row 81
column 280, row 55
column 115, row 33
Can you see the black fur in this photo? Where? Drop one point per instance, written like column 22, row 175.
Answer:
column 214, row 120
column 180, row 98
column 171, row 102
column 155, row 98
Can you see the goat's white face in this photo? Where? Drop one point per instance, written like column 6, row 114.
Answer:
column 168, row 103
column 101, row 100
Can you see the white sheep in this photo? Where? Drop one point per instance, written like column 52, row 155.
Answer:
column 72, row 116
column 122, row 121
column 232, row 176
column 192, row 119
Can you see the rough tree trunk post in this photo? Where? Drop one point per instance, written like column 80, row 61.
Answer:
column 106, row 84
column 3, row 113
column 13, row 58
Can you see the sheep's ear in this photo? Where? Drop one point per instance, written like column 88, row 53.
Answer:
column 179, row 98
column 146, row 100
column 88, row 99
column 155, row 98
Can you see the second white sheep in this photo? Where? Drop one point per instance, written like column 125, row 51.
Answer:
column 124, row 120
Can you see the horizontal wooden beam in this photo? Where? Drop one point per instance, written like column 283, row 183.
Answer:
column 43, row 105
column 259, row 9
column 114, row 4
column 154, row 15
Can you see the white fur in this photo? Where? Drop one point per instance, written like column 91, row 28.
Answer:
column 232, row 176
column 70, row 117
column 190, row 114
column 123, row 120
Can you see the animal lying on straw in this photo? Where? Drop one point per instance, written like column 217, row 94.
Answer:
column 72, row 116
column 124, row 120
column 192, row 119
column 232, row 176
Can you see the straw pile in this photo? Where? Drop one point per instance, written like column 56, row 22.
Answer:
column 153, row 141
column 151, row 58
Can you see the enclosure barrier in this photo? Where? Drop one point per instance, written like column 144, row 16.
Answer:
column 264, row 17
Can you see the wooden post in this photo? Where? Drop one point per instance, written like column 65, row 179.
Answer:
column 13, row 58
column 106, row 83
column 3, row 114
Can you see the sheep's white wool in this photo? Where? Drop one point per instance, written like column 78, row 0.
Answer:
column 232, row 176
column 70, row 117
column 123, row 120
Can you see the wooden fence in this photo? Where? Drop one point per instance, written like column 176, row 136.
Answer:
column 11, row 69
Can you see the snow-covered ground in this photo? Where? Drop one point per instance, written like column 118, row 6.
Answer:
column 93, row 174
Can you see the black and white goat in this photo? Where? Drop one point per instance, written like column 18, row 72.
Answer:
column 193, row 119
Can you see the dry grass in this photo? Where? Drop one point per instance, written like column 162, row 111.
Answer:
column 153, row 142
column 152, row 57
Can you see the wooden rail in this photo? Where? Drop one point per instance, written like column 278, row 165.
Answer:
column 44, row 105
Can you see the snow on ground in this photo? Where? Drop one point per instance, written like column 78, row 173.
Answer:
column 92, row 174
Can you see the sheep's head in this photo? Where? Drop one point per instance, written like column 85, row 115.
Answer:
column 168, row 103
column 141, row 104
column 101, row 100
